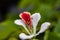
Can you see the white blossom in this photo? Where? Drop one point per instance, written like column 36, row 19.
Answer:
column 35, row 19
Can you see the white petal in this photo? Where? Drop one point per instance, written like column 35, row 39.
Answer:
column 35, row 18
column 20, row 22
column 24, row 36
column 44, row 26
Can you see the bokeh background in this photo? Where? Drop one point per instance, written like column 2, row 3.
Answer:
column 10, row 10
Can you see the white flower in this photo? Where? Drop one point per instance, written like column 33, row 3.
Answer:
column 31, row 21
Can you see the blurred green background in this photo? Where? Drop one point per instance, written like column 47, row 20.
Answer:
column 49, row 10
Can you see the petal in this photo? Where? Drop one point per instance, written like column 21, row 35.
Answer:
column 24, row 36
column 35, row 18
column 44, row 26
column 26, row 17
column 20, row 22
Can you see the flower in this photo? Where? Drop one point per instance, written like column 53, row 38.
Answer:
column 31, row 21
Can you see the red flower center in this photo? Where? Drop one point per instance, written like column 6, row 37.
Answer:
column 25, row 16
